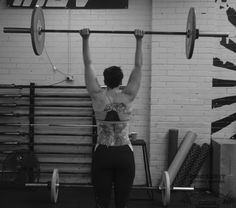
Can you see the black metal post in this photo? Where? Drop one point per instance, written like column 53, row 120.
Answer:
column 31, row 117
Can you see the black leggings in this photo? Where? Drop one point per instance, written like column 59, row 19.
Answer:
column 112, row 166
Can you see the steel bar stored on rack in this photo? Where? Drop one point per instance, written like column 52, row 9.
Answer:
column 82, row 174
column 50, row 125
column 62, row 96
column 43, row 134
column 40, row 86
column 14, row 133
column 46, row 105
column 44, row 143
column 45, row 96
column 50, row 153
column 13, row 95
column 12, row 114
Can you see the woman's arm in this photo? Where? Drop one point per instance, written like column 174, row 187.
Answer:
column 135, row 77
column 91, row 81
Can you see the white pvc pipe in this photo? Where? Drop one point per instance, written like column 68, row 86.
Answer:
column 180, row 156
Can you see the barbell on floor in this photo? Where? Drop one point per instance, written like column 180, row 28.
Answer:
column 37, row 31
column 54, row 185
column 167, row 177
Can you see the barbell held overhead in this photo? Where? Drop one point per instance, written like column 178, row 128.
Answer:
column 28, row 30
column 38, row 30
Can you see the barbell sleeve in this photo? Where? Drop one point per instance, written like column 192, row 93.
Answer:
column 37, row 184
column 179, row 188
column 16, row 30
column 183, row 188
column 213, row 35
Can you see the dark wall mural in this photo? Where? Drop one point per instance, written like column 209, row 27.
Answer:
column 217, row 62
column 70, row 4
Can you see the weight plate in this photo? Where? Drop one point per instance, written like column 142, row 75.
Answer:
column 191, row 33
column 165, row 189
column 54, row 186
column 37, row 37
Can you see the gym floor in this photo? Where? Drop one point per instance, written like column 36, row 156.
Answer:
column 83, row 197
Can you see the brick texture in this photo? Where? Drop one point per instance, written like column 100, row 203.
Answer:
column 175, row 92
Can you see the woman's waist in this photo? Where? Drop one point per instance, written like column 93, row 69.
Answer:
column 113, row 136
column 101, row 116
column 113, row 132
column 114, row 147
column 110, row 140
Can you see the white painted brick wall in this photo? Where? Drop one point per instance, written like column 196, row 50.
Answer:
column 181, row 88
column 224, row 26
column 19, row 65
column 175, row 92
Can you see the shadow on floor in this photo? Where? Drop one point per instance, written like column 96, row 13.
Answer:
column 83, row 198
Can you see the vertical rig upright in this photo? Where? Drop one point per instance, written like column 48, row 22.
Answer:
column 31, row 116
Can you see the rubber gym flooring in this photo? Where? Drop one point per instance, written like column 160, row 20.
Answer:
column 83, row 198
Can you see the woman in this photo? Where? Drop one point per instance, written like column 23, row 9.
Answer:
column 113, row 160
